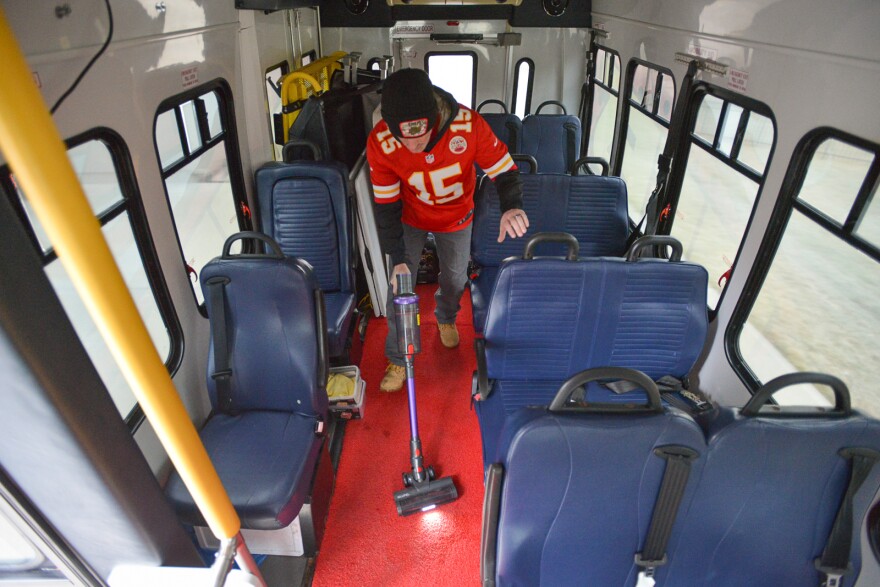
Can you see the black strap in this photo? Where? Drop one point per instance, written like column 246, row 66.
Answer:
column 675, row 477
column 834, row 562
column 489, row 535
column 512, row 136
column 482, row 387
column 664, row 161
column 222, row 371
column 666, row 384
column 673, row 390
column 571, row 146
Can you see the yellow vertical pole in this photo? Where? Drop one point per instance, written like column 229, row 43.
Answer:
column 37, row 155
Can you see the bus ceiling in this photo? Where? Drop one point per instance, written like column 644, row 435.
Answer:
column 381, row 13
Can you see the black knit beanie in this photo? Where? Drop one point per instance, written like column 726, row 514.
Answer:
column 408, row 97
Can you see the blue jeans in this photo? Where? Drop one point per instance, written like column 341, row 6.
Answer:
column 453, row 253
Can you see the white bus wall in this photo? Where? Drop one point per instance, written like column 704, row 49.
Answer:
column 810, row 72
column 143, row 66
column 559, row 56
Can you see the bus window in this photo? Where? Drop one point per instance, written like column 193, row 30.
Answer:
column 104, row 170
column 817, row 308
column 197, row 151
column 522, row 87
column 650, row 90
column 728, row 150
column 605, row 88
column 454, row 72
column 273, row 104
column 22, row 558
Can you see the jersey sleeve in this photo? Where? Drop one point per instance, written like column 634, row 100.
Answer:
column 386, row 183
column 492, row 155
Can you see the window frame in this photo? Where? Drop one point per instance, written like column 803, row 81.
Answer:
column 228, row 136
column 786, row 204
column 530, row 85
column 472, row 55
column 132, row 203
column 592, row 81
column 274, row 119
column 682, row 154
column 312, row 56
column 619, row 147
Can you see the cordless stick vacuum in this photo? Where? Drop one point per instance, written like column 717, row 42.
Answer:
column 422, row 492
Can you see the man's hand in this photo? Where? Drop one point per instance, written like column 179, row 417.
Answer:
column 514, row 223
column 400, row 269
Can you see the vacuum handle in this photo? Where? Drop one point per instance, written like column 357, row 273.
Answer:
column 404, row 283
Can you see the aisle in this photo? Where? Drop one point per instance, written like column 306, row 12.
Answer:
column 366, row 542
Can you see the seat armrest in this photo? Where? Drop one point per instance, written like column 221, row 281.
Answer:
column 483, row 386
column 489, row 534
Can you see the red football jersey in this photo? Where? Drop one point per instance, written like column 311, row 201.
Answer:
column 437, row 186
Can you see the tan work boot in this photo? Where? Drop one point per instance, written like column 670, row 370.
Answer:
column 395, row 375
column 448, row 335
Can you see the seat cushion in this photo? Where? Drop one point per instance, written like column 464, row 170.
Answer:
column 579, row 491
column 265, row 461
column 481, row 290
column 340, row 309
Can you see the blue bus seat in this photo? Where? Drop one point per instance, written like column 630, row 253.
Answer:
column 770, row 491
column 592, row 208
column 549, row 318
column 264, row 439
column 506, row 126
column 304, row 206
column 553, row 139
column 572, row 495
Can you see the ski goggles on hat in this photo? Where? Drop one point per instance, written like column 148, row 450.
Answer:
column 413, row 129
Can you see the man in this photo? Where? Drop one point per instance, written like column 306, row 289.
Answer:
column 421, row 157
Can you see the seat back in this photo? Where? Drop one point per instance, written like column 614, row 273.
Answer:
column 506, row 126
column 550, row 318
column 304, row 208
column 771, row 489
column 592, row 208
column 275, row 336
column 267, row 376
column 553, row 139
column 577, row 492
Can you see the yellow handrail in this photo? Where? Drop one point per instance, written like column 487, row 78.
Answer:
column 35, row 152
column 309, row 80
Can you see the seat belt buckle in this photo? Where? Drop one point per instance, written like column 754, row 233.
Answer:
column 832, row 579
column 646, row 575
column 221, row 374
column 644, row 579
column 833, row 575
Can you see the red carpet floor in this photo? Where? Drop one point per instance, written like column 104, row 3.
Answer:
column 366, row 542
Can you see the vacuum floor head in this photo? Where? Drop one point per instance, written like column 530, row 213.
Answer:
column 425, row 496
